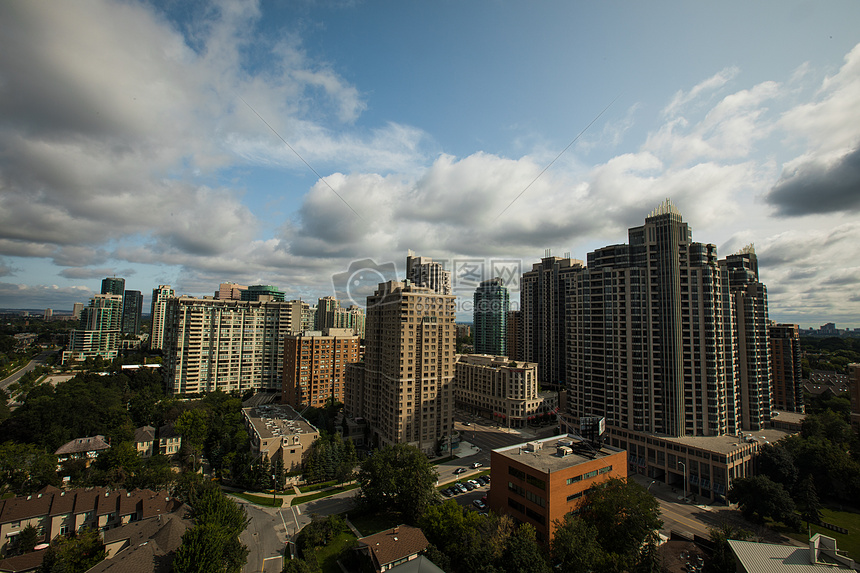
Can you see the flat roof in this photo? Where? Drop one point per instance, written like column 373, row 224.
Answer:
column 545, row 458
column 276, row 420
column 728, row 444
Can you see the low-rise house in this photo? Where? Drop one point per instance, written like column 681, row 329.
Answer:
column 85, row 448
column 54, row 512
column 147, row 545
column 169, row 442
column 144, row 441
column 393, row 546
column 277, row 431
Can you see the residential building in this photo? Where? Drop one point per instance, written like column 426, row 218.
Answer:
column 49, row 314
column 99, row 331
column 490, row 316
column 169, row 441
column 144, row 441
column 821, row 556
column 132, row 309
column 500, row 389
column 113, row 285
column 53, row 512
column 514, row 334
column 147, row 546
column 230, row 291
column 854, row 394
column 785, row 360
column 255, row 292
column 330, row 314
column 278, row 432
column 405, row 389
column 392, row 547
column 326, row 308
column 543, row 304
column 77, row 309
column 226, row 345
column 541, row 481
column 87, row 449
column 314, row 364
column 424, row 272
column 158, row 310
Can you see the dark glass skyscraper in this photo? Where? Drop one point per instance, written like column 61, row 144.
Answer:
column 492, row 303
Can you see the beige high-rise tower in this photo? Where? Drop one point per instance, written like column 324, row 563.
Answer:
column 406, row 387
column 160, row 296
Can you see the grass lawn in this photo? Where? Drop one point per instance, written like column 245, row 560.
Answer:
column 329, row 554
column 258, row 499
column 370, row 523
column 318, row 495
column 850, row 543
column 317, row 486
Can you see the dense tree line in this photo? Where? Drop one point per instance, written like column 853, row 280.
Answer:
column 330, row 458
column 831, row 353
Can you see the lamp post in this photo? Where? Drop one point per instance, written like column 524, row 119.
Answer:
column 685, row 479
column 274, row 487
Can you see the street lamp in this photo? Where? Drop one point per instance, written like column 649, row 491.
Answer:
column 685, row 479
column 274, row 487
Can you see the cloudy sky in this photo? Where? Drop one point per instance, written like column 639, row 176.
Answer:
column 193, row 143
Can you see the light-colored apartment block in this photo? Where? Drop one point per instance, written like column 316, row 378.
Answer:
column 501, row 389
column 226, row 345
column 406, row 384
column 314, row 365
column 278, row 432
column 99, row 332
column 158, row 310
column 424, row 272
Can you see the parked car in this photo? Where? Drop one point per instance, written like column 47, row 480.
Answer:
column 462, row 488
column 446, row 492
column 470, row 486
column 474, row 483
column 476, row 465
column 479, row 504
column 483, row 480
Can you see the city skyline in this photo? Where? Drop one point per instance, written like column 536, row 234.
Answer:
column 431, row 127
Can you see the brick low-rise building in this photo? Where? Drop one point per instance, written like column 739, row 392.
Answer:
column 541, row 481
column 277, row 431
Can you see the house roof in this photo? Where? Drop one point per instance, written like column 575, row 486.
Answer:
column 18, row 508
column 144, row 434
column 83, row 445
column 395, row 543
column 150, row 545
column 20, row 563
column 772, row 558
column 418, row 565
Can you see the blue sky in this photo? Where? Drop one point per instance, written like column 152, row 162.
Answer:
column 134, row 139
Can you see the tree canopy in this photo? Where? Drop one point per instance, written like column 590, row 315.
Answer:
column 400, row 478
column 759, row 497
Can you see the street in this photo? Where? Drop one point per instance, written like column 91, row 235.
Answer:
column 37, row 361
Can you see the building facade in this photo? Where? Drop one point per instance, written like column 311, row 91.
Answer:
column 99, row 331
column 113, row 285
column 543, row 305
column 158, row 310
column 424, row 272
column 314, row 366
column 256, row 292
column 501, row 390
column 132, row 310
column 226, row 345
column 514, row 334
column 405, row 388
column 785, row 360
column 854, row 394
column 490, row 317
column 540, row 482
column 230, row 291
column 278, row 432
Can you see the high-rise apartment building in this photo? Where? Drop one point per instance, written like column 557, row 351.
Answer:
column 314, row 365
column 405, row 387
column 500, row 389
column 113, row 285
column 330, row 314
column 227, row 345
column 326, row 307
column 785, row 360
column 132, row 310
column 158, row 310
column 490, row 317
column 99, row 331
column 77, row 309
column 424, row 272
column 514, row 334
column 854, row 394
column 255, row 292
column 230, row 291
column 544, row 317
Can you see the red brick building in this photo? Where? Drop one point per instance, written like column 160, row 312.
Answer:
column 540, row 482
column 314, row 364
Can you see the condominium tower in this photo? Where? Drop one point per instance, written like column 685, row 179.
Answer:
column 424, row 272
column 158, row 308
column 132, row 309
column 489, row 317
column 785, row 356
column 314, row 365
column 99, row 331
column 405, row 387
column 226, row 345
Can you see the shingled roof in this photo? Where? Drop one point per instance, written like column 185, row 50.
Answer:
column 83, row 445
column 394, row 544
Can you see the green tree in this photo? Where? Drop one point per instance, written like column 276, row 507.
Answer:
column 807, row 500
column 74, row 554
column 776, row 462
column 624, row 514
column 398, row 477
column 296, row 566
column 721, row 559
column 522, row 553
column 574, row 547
column 759, row 497
column 27, row 539
column 193, row 428
column 25, row 468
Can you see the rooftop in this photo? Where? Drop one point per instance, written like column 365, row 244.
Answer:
column 544, row 454
column 395, row 543
column 728, row 444
column 276, row 420
column 822, row 554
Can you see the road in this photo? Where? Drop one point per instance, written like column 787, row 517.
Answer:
column 37, row 361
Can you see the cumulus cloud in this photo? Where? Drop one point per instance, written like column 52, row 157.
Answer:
column 819, row 186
